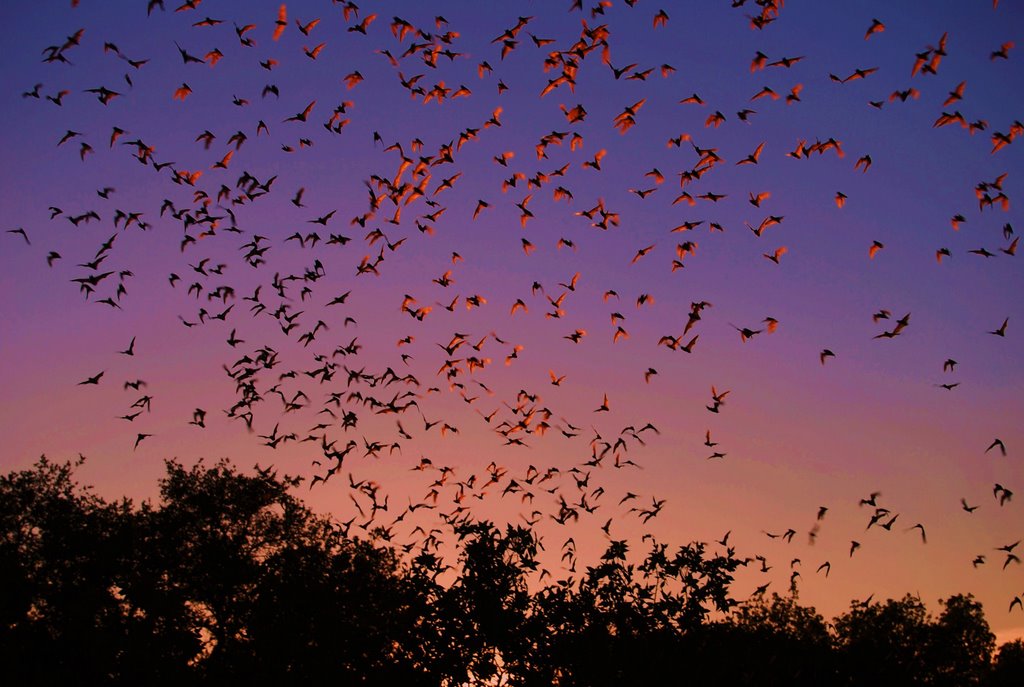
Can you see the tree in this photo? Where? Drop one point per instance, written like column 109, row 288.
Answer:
column 486, row 610
column 228, row 578
column 900, row 640
column 884, row 643
column 627, row 623
column 279, row 594
column 1008, row 665
column 66, row 561
column 961, row 643
column 776, row 641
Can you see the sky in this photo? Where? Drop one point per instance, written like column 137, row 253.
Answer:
column 530, row 204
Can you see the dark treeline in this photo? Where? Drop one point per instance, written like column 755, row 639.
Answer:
column 230, row 579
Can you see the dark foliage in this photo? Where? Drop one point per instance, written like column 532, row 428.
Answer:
column 230, row 579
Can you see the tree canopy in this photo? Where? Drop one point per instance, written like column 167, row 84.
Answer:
column 229, row 577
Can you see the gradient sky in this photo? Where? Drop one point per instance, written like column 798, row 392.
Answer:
column 797, row 434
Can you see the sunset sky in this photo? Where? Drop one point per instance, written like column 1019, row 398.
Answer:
column 861, row 223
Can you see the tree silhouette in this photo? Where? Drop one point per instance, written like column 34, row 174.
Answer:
column 879, row 641
column 1008, row 665
column 899, row 641
column 230, row 578
column 277, row 592
column 776, row 641
column 961, row 643
column 66, row 561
